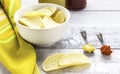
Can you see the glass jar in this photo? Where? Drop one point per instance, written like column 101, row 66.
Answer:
column 60, row 2
column 75, row 4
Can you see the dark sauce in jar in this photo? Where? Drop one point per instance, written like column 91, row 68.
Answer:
column 75, row 4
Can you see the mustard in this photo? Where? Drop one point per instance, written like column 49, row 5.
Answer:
column 88, row 48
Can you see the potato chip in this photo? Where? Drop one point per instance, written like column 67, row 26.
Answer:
column 51, row 62
column 35, row 22
column 47, row 11
column 73, row 59
column 48, row 22
column 60, row 17
column 42, row 13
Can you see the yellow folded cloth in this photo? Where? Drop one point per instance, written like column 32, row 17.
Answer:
column 16, row 55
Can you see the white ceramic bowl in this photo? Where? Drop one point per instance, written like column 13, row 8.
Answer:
column 42, row 37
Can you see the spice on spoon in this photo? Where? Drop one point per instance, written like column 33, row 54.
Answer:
column 87, row 47
column 105, row 49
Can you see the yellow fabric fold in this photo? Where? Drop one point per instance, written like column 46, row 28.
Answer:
column 18, row 56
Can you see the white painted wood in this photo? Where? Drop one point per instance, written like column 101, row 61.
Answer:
column 100, row 64
column 103, row 5
column 95, row 18
column 99, row 16
column 73, row 39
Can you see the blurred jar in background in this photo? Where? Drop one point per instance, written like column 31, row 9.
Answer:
column 60, row 2
column 75, row 4
column 69, row 4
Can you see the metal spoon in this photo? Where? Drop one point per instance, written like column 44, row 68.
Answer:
column 105, row 49
column 87, row 47
column 100, row 37
column 84, row 35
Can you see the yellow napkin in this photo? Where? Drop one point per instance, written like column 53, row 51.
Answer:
column 16, row 55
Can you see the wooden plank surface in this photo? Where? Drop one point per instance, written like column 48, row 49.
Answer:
column 99, row 64
column 103, row 5
column 95, row 18
column 73, row 39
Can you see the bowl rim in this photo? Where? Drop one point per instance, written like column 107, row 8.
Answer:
column 39, row 4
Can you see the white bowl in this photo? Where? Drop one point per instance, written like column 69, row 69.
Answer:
column 42, row 37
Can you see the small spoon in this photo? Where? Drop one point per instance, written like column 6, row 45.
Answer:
column 100, row 37
column 105, row 49
column 87, row 47
column 84, row 35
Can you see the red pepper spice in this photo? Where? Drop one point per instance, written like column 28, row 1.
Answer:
column 106, row 50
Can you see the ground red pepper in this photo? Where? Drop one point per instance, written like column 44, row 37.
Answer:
column 106, row 50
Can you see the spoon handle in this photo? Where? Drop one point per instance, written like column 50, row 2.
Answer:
column 84, row 35
column 100, row 37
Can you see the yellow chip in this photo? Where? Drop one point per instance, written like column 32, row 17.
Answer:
column 72, row 59
column 51, row 8
column 31, row 14
column 47, row 11
column 35, row 22
column 51, row 62
column 60, row 17
column 48, row 22
column 41, row 13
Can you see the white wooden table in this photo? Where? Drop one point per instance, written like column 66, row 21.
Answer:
column 99, row 16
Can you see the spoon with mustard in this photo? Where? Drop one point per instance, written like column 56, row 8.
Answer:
column 86, row 47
